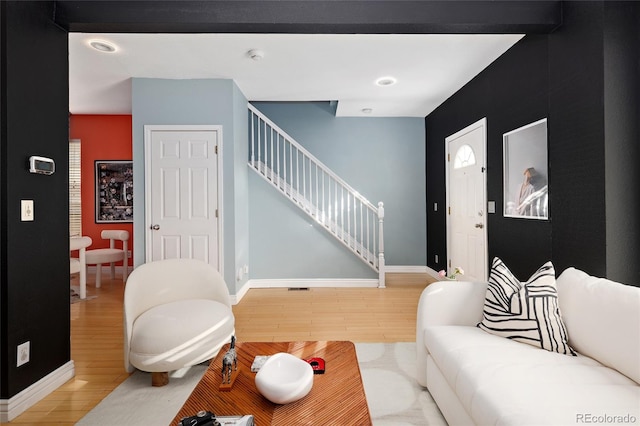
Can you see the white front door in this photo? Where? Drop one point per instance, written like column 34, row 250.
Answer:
column 182, row 196
column 466, row 200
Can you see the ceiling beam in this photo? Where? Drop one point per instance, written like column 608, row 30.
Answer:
column 310, row 16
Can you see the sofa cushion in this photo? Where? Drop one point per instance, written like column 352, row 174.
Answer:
column 603, row 319
column 502, row 382
column 527, row 312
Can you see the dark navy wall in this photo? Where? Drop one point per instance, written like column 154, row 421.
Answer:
column 34, row 256
column 508, row 93
column 622, row 136
column 576, row 140
column 560, row 76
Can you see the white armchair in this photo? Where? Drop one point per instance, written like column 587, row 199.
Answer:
column 110, row 255
column 78, row 265
column 177, row 313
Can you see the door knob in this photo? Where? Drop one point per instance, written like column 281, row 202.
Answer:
column 156, row 227
column 479, row 225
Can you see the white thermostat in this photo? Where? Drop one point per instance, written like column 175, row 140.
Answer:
column 41, row 165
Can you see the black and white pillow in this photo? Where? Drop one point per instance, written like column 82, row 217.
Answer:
column 527, row 312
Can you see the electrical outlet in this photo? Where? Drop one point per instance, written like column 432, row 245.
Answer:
column 23, row 353
column 128, row 254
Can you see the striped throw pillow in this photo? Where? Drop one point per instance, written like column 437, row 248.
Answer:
column 527, row 312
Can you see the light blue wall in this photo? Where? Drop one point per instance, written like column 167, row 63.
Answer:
column 241, row 183
column 382, row 158
column 213, row 102
column 285, row 243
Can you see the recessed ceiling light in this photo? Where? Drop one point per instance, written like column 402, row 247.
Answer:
column 103, row 46
column 386, row 81
column 367, row 110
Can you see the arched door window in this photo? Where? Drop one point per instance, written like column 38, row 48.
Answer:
column 464, row 157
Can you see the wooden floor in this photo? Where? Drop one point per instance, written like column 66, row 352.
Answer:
column 356, row 314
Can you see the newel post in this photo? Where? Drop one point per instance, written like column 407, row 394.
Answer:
column 381, row 280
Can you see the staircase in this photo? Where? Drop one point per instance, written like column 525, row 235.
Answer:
column 319, row 192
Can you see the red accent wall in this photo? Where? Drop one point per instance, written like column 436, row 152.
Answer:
column 103, row 137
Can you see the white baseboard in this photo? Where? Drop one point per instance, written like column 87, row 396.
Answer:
column 21, row 402
column 314, row 282
column 236, row 298
column 328, row 282
column 406, row 269
column 302, row 283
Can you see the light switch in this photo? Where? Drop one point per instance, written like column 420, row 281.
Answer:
column 491, row 207
column 26, row 207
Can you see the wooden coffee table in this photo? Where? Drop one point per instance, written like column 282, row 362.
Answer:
column 337, row 396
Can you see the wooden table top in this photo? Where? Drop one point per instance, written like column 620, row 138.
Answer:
column 337, row 396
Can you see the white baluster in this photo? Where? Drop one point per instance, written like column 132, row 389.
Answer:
column 355, row 221
column 266, row 148
column 361, row 228
column 271, row 163
column 367, row 214
column 342, row 211
column 277, row 158
column 381, row 272
column 317, row 192
column 374, row 236
column 304, row 179
column 253, row 140
column 323, row 203
column 349, row 217
column 290, row 168
column 298, row 172
column 259, row 142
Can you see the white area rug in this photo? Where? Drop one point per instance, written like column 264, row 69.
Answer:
column 388, row 374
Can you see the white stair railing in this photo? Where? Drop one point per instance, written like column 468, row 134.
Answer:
column 319, row 192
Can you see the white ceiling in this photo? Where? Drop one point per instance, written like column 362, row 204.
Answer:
column 296, row 67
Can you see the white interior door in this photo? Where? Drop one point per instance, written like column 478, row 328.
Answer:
column 466, row 200
column 182, row 207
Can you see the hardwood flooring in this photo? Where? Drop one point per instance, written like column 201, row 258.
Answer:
column 356, row 314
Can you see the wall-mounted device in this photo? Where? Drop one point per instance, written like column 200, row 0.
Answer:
column 41, row 165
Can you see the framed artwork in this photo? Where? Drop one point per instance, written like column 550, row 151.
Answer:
column 526, row 189
column 114, row 191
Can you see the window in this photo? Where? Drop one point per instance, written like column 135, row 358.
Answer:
column 75, row 199
column 464, row 157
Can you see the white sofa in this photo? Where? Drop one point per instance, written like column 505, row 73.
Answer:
column 482, row 379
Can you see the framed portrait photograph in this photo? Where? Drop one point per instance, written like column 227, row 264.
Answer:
column 114, row 191
column 526, row 172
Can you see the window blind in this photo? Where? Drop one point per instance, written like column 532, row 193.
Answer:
column 75, row 199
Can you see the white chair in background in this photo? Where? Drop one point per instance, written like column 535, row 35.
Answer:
column 110, row 255
column 177, row 313
column 78, row 265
